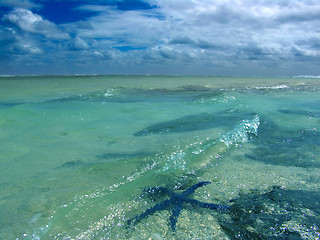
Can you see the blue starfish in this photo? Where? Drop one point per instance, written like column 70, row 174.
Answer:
column 177, row 199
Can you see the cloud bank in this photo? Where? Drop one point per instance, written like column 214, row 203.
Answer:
column 229, row 37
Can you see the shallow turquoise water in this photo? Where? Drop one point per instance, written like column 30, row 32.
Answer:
column 78, row 153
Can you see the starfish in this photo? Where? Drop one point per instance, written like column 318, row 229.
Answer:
column 177, row 199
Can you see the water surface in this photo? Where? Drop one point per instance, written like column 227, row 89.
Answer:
column 77, row 154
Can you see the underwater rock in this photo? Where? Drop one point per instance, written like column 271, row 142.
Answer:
column 311, row 114
column 285, row 147
column 123, row 155
column 195, row 122
column 125, row 95
column 277, row 214
column 75, row 163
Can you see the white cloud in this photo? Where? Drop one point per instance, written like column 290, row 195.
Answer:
column 127, row 28
column 34, row 23
column 27, row 47
column 79, row 44
column 208, row 33
column 18, row 3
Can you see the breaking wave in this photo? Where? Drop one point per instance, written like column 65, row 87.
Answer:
column 242, row 132
column 306, row 76
column 202, row 152
column 282, row 86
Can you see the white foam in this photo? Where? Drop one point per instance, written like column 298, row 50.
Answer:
column 306, row 76
column 108, row 93
column 241, row 133
column 282, row 86
column 7, row 76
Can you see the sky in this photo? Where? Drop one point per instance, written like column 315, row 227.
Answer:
column 188, row 37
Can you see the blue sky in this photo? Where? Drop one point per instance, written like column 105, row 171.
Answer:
column 198, row 37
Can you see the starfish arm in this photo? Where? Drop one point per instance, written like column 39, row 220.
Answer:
column 155, row 208
column 175, row 214
column 190, row 190
column 219, row 207
column 177, row 199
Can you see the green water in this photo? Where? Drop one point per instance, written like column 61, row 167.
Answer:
column 78, row 153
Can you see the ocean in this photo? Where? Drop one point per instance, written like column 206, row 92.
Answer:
column 82, row 157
